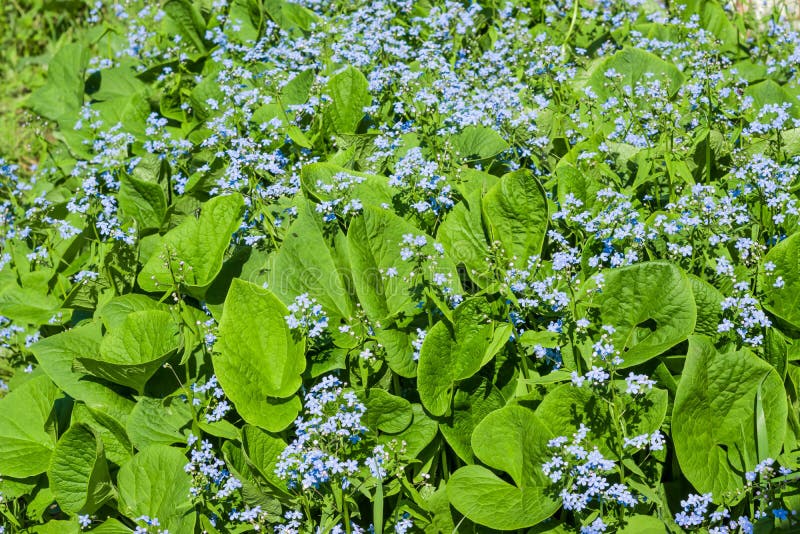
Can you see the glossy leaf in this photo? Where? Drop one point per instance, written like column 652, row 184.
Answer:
column 511, row 440
column 78, row 472
column 723, row 388
column 154, row 483
column 260, row 361
column 25, row 440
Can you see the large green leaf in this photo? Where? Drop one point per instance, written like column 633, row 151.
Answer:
column 63, row 93
column 450, row 356
column 417, row 435
column 374, row 242
column 78, row 473
column 635, row 65
column 435, row 374
column 708, row 300
column 478, row 142
column 565, row 408
column 111, row 432
column 28, row 305
column 114, row 312
column 768, row 92
column 263, row 451
column 386, row 412
column 184, row 18
column 515, row 213
column 25, row 442
column 350, row 93
column 192, row 252
column 463, row 237
column 650, row 305
column 783, row 301
column 130, row 354
column 289, row 15
column 306, row 263
column 713, row 18
column 320, row 181
column 144, row 201
column 512, row 440
column 714, row 423
column 154, row 483
column 158, row 421
column 56, row 355
column 260, row 361
column 474, row 399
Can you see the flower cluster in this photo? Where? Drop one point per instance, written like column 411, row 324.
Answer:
column 330, row 445
column 766, row 483
column 307, row 316
column 212, row 398
column 583, row 473
column 211, row 478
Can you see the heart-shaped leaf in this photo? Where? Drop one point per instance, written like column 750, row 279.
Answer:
column 722, row 388
column 260, row 361
column 512, row 440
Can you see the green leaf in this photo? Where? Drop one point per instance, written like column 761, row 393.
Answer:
column 374, row 242
column 515, row 214
column 769, row 92
column 782, row 301
column 635, row 65
column 62, row 95
column 776, row 351
column 263, row 450
column 566, row 407
column 643, row 524
column 708, row 300
column 57, row 526
column 478, row 142
column 111, row 526
column 260, row 361
column 435, row 387
column 25, row 443
column 418, row 435
column 650, row 305
column 306, row 263
column 111, row 432
column 114, row 312
column 463, row 237
column 193, row 251
column 474, row 399
column 142, row 200
column 131, row 354
column 296, row 92
column 158, row 421
column 512, row 440
column 386, row 412
column 244, row 19
column 28, row 305
column 350, row 93
column 447, row 357
column 116, row 82
column 288, row 15
column 56, row 355
column 714, row 19
column 580, row 184
column 319, row 183
column 154, row 483
column 78, row 471
column 723, row 388
column 184, row 18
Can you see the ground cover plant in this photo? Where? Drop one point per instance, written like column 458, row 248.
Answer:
column 402, row 266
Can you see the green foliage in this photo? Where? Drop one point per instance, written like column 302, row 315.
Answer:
column 336, row 267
